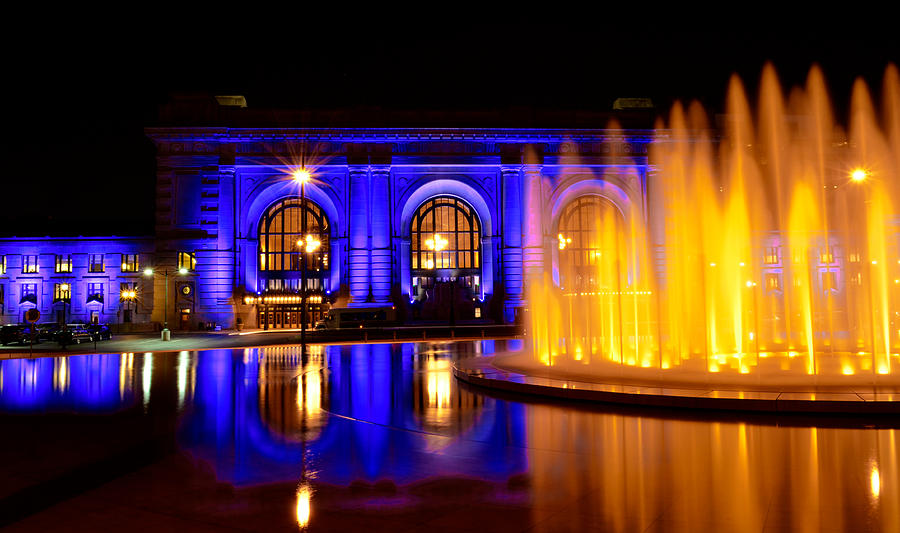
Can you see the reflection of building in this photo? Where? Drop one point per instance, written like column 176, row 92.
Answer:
column 442, row 224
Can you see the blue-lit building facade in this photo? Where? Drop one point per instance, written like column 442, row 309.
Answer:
column 76, row 278
column 442, row 225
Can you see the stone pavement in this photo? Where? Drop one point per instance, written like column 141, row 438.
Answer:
column 151, row 342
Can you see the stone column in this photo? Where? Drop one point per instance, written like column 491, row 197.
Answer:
column 359, row 235
column 533, row 245
column 381, row 235
column 512, row 240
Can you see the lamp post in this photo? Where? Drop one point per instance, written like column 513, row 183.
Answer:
column 166, row 334
column 302, row 176
column 128, row 296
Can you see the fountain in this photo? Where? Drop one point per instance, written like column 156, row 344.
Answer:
column 769, row 260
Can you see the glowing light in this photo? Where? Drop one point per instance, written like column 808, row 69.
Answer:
column 301, row 176
column 312, row 244
column 182, row 271
column 148, row 271
column 563, row 241
column 712, row 264
column 859, row 175
column 875, row 482
column 437, row 244
column 303, row 508
column 429, row 264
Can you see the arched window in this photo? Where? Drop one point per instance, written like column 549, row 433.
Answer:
column 445, row 235
column 591, row 243
column 281, row 242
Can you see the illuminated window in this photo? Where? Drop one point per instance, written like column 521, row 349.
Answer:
column 130, row 263
column 63, row 263
column 282, row 241
column 29, row 264
column 829, row 281
column 445, row 233
column 62, row 292
column 95, row 263
column 29, row 293
column 771, row 257
column 773, row 282
column 827, row 256
column 95, row 292
column 592, row 229
column 187, row 261
column 854, row 257
column 2, row 264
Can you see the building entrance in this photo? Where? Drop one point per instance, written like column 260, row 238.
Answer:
column 281, row 316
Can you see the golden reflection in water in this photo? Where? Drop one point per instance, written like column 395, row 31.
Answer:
column 61, row 377
column 437, row 379
column 291, row 388
column 147, row 377
column 184, row 369
column 875, row 482
column 625, row 473
column 126, row 369
column 303, row 508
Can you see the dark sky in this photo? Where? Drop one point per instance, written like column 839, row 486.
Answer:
column 78, row 90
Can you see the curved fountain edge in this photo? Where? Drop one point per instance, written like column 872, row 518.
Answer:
column 481, row 372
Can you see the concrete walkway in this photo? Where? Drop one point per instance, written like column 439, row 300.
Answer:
column 151, row 342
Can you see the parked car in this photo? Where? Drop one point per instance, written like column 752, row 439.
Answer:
column 15, row 333
column 100, row 332
column 75, row 334
column 47, row 331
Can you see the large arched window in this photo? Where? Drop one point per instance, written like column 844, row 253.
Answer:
column 591, row 243
column 281, row 242
column 445, row 235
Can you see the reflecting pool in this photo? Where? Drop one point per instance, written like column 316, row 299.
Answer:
column 381, row 436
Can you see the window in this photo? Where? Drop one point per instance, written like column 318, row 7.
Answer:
column 63, row 263
column 829, row 281
column 854, row 257
column 95, row 263
column 591, row 246
column 95, row 292
column 773, row 282
column 29, row 293
column 281, row 243
column 62, row 292
column 771, row 257
column 827, row 256
column 445, row 234
column 187, row 261
column 130, row 263
column 29, row 264
column 2, row 265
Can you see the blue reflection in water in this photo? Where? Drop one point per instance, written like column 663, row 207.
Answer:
column 362, row 412
column 259, row 418
column 83, row 383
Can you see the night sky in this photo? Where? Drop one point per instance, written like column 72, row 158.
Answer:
column 78, row 92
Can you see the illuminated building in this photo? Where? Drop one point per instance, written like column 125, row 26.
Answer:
column 440, row 223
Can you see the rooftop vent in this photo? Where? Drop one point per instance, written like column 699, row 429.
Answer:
column 232, row 101
column 632, row 103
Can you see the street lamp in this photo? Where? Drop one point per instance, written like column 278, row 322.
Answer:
column 166, row 334
column 302, row 176
column 128, row 295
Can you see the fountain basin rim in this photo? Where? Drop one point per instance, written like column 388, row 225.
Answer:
column 482, row 372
